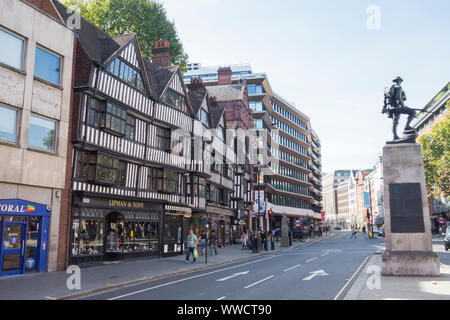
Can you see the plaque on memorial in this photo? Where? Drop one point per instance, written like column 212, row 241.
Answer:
column 406, row 208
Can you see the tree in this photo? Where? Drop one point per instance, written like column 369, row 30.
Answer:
column 146, row 18
column 436, row 156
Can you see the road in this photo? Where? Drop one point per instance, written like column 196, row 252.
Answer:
column 320, row 270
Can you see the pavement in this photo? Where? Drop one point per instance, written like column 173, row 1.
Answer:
column 371, row 285
column 53, row 285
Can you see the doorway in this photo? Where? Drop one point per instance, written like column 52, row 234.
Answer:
column 13, row 248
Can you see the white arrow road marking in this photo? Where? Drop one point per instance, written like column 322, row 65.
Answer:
column 292, row 267
column 316, row 273
column 221, row 298
column 234, row 275
column 251, row 285
column 311, row 259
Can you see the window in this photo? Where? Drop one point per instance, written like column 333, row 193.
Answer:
column 47, row 66
column 110, row 170
column 255, row 89
column 95, row 109
column 155, row 179
column 221, row 133
column 8, row 124
column 11, row 50
column 174, row 99
column 86, row 164
column 130, row 127
column 203, row 116
column 42, row 133
column 170, row 181
column 127, row 73
column 115, row 118
column 163, row 138
column 87, row 237
column 257, row 106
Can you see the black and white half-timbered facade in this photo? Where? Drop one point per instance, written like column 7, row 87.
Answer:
column 214, row 211
column 131, row 182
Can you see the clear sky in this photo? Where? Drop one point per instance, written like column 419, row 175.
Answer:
column 322, row 56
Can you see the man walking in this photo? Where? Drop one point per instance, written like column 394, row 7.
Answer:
column 364, row 231
column 213, row 241
column 192, row 242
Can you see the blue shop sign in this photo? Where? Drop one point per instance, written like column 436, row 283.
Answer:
column 23, row 208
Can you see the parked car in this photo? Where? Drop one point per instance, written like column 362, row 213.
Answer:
column 447, row 239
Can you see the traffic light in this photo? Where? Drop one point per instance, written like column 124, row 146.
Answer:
column 270, row 213
column 368, row 214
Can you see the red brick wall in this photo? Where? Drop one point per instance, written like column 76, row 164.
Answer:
column 46, row 6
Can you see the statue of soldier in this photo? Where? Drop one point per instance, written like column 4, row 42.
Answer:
column 394, row 105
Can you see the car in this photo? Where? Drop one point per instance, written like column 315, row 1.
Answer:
column 447, row 239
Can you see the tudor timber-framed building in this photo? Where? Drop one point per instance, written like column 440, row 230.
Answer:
column 134, row 182
column 294, row 187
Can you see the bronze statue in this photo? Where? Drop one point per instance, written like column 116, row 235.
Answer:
column 394, row 106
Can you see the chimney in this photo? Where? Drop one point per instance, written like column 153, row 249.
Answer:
column 213, row 101
column 161, row 55
column 195, row 85
column 224, row 75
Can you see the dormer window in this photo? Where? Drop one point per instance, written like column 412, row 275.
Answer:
column 127, row 73
column 203, row 116
column 174, row 99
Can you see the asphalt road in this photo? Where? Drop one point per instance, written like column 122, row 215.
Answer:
column 322, row 270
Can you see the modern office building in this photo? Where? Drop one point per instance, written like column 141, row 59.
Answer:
column 331, row 182
column 36, row 58
column 289, row 182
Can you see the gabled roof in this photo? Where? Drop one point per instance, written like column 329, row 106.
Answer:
column 197, row 97
column 227, row 92
column 160, row 76
column 216, row 113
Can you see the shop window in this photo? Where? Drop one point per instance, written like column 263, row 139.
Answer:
column 42, row 133
column 87, row 237
column 47, row 66
column 11, row 49
column 137, row 236
column 8, row 123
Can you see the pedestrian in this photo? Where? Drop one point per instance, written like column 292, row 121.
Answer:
column 192, row 242
column 274, row 234
column 320, row 231
column 326, row 230
column 278, row 234
column 310, row 230
column 353, row 233
column 244, row 238
column 203, row 238
column 263, row 239
column 213, row 242
column 364, row 231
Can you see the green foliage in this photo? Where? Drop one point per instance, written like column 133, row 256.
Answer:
column 146, row 18
column 436, row 155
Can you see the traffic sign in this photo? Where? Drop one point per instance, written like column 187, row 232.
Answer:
column 298, row 223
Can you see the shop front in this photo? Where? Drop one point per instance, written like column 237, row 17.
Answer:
column 111, row 230
column 24, row 229
column 176, row 229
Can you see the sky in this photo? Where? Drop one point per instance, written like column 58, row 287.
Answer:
column 331, row 58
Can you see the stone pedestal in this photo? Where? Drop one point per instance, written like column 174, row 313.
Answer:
column 407, row 219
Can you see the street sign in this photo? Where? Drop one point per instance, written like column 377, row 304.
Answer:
column 298, row 223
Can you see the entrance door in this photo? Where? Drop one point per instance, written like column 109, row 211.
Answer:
column 13, row 248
